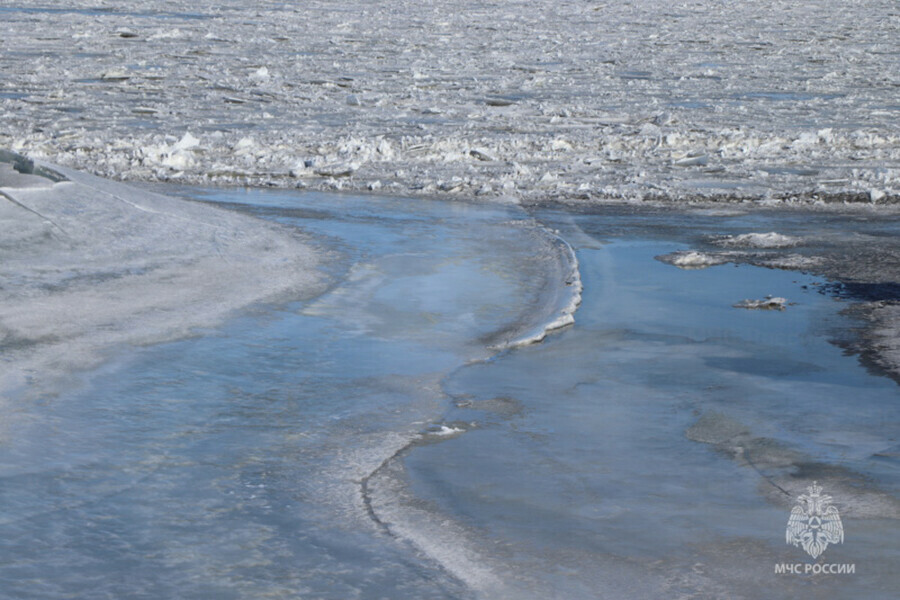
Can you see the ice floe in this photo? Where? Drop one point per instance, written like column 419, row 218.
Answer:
column 759, row 240
column 768, row 303
column 693, row 259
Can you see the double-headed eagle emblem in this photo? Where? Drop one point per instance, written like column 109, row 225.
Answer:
column 814, row 522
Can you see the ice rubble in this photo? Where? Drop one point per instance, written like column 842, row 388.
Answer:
column 88, row 264
column 572, row 101
column 692, row 259
column 695, row 259
column 768, row 303
column 759, row 240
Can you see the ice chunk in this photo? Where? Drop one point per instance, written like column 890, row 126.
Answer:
column 186, row 142
column 260, row 75
column 245, row 145
column 335, row 170
column 481, row 154
column 115, row 75
column 691, row 259
column 769, row 303
column 445, row 430
column 692, row 160
column 759, row 240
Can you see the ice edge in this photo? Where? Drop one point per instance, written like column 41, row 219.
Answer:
column 565, row 315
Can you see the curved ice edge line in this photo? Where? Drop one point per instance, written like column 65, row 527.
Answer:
column 566, row 315
column 470, row 557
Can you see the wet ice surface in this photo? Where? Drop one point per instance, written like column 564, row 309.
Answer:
column 662, row 454
column 86, row 263
column 232, row 465
column 368, row 443
column 574, row 100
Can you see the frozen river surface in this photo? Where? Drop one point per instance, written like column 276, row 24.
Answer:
column 388, row 437
column 578, row 100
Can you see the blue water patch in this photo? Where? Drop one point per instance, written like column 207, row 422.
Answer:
column 666, row 430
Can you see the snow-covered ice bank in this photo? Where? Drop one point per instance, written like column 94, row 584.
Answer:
column 541, row 100
column 87, row 263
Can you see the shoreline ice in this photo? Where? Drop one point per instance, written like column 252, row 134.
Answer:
column 91, row 264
